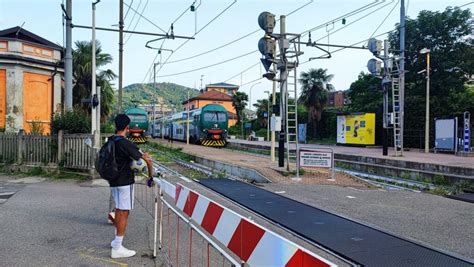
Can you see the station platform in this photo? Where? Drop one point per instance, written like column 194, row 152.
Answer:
column 354, row 241
column 366, row 158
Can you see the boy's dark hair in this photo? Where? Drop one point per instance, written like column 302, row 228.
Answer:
column 121, row 122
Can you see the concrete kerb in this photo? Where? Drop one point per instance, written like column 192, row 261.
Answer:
column 243, row 172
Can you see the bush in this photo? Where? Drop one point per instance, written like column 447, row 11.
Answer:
column 73, row 121
column 107, row 127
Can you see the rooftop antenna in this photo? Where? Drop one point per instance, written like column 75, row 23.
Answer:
column 17, row 32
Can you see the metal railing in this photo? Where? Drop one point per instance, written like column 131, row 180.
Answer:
column 181, row 242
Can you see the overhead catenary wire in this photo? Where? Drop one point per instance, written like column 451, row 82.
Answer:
column 128, row 10
column 208, row 66
column 386, row 17
column 182, row 44
column 349, row 14
column 134, row 13
column 138, row 21
column 145, row 18
column 362, row 9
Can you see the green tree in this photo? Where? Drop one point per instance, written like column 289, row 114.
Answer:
column 239, row 101
column 448, row 35
column 262, row 107
column 365, row 94
column 82, row 66
column 315, row 87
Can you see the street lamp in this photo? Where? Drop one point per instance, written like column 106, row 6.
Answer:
column 250, row 96
column 268, row 114
column 427, row 115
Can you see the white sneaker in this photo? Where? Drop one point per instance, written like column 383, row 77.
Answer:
column 122, row 252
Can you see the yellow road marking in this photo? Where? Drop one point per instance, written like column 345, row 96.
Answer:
column 82, row 254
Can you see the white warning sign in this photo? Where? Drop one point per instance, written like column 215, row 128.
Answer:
column 315, row 159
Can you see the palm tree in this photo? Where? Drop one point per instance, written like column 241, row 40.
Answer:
column 239, row 101
column 262, row 106
column 82, row 66
column 314, row 93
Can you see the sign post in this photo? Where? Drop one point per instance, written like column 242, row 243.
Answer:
column 467, row 131
column 317, row 158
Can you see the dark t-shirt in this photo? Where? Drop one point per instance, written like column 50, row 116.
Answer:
column 125, row 152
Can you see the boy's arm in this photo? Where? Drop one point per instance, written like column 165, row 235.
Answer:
column 147, row 159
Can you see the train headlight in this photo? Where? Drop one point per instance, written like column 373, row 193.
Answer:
column 215, row 125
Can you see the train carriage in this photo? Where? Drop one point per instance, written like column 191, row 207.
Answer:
column 207, row 126
column 138, row 125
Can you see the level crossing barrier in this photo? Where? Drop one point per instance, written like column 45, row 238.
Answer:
column 190, row 229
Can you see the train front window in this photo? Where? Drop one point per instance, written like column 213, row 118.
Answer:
column 215, row 116
column 137, row 117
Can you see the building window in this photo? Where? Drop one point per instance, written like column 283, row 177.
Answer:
column 3, row 46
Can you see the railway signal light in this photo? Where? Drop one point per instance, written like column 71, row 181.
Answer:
column 266, row 21
column 375, row 46
column 266, row 44
column 374, row 66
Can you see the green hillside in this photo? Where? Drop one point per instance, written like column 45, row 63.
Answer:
column 145, row 93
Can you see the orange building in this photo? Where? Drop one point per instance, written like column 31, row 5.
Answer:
column 225, row 88
column 30, row 80
column 213, row 97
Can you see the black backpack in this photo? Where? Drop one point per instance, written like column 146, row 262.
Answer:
column 105, row 162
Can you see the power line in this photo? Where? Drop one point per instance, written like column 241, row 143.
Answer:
column 208, row 66
column 134, row 13
column 185, row 42
column 126, row 13
column 196, row 33
column 138, row 21
column 145, row 18
column 349, row 14
column 163, row 42
column 352, row 13
column 251, row 66
column 386, row 17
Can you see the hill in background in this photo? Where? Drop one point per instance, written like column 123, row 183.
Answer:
column 172, row 94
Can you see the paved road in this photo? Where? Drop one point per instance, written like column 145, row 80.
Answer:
column 435, row 221
column 63, row 223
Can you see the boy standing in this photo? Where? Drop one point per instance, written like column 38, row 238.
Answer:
column 122, row 188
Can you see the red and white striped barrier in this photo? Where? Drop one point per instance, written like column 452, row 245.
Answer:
column 252, row 243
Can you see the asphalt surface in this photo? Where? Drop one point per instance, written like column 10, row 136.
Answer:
column 434, row 221
column 63, row 223
column 357, row 242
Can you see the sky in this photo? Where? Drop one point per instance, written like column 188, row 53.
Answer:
column 215, row 23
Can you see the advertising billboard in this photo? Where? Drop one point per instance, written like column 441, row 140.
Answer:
column 356, row 129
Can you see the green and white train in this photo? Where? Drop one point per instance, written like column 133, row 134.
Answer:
column 207, row 126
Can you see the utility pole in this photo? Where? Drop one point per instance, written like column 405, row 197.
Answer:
column 427, row 114
column 402, row 72
column 68, row 58
column 94, row 95
column 272, row 152
column 187, row 121
column 283, row 91
column 201, row 81
column 154, row 102
column 120, row 89
column 386, row 81
column 268, row 114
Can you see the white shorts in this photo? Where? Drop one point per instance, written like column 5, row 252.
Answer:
column 123, row 196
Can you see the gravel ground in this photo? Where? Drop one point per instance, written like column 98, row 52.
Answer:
column 63, row 223
column 431, row 220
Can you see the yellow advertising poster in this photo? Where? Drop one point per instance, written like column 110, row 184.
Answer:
column 357, row 129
